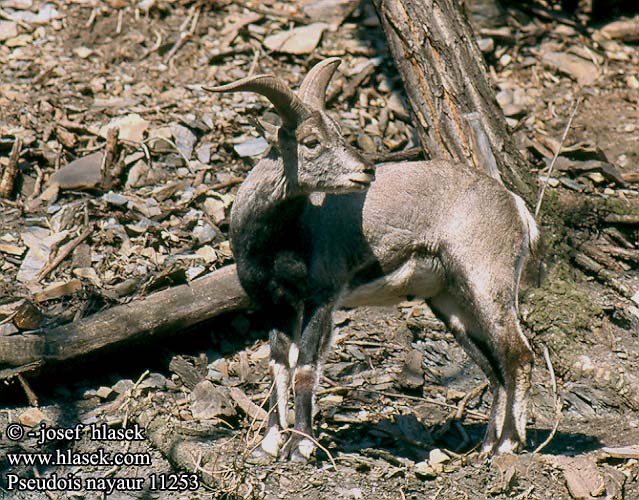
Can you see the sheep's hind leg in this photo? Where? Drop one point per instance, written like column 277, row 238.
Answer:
column 493, row 338
column 467, row 331
column 516, row 360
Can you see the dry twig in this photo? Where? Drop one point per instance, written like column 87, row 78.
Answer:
column 315, row 442
column 604, row 275
column 554, row 158
column 556, row 398
column 109, row 167
column 8, row 180
column 272, row 13
column 92, row 17
column 31, row 395
column 64, row 253
column 629, row 220
column 184, row 36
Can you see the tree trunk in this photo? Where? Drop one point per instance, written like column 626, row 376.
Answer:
column 446, row 79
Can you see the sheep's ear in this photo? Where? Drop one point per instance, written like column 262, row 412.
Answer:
column 290, row 107
column 269, row 129
column 312, row 91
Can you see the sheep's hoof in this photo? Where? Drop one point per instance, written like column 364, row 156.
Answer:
column 260, row 457
column 494, row 448
column 486, row 452
column 508, row 445
column 298, row 449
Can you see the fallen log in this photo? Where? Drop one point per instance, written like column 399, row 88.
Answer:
column 172, row 309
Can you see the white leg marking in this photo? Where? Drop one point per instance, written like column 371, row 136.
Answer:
column 520, row 411
column 272, row 442
column 522, row 336
column 281, row 380
column 293, row 355
column 507, row 446
column 500, row 410
column 306, row 448
column 529, row 221
column 530, row 238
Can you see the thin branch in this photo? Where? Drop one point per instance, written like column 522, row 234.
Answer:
column 8, row 178
column 315, row 442
column 554, row 158
column 31, row 395
column 193, row 18
column 477, row 391
column 109, row 156
column 556, row 399
column 63, row 253
column 249, row 441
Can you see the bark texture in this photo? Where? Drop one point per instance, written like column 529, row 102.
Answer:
column 172, row 309
column 446, row 79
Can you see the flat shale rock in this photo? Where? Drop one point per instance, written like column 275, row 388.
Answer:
column 8, row 29
column 333, row 12
column 210, row 401
column 302, row 40
column 583, row 71
column 625, row 30
column 412, row 374
column 583, row 479
column 83, row 173
column 184, row 140
column 41, row 243
column 252, row 147
column 131, row 127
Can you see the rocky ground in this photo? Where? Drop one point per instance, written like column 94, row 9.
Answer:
column 96, row 219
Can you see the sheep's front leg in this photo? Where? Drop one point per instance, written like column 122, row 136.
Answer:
column 279, row 370
column 283, row 358
column 314, row 344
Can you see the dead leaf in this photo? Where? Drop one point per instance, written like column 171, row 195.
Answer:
column 28, row 316
column 333, row 12
column 251, row 409
column 32, row 417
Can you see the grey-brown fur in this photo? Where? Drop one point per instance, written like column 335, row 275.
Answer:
column 312, row 230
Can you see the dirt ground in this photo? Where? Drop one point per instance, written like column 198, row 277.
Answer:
column 72, row 69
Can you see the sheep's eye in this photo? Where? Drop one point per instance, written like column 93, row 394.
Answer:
column 311, row 142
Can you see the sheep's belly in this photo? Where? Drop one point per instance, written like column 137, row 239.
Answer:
column 417, row 277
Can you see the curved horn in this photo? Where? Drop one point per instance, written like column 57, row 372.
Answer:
column 288, row 105
column 313, row 88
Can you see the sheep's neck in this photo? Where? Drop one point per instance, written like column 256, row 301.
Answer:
column 267, row 209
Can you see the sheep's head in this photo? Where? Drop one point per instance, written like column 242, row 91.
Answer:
column 309, row 140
